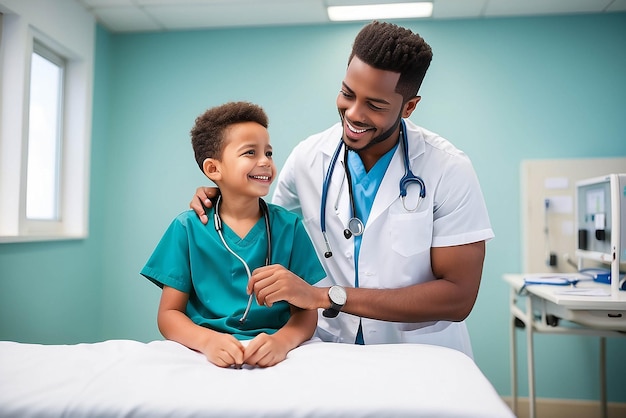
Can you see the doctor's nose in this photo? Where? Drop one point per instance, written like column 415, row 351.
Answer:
column 355, row 113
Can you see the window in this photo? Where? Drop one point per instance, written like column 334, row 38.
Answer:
column 44, row 135
column 46, row 88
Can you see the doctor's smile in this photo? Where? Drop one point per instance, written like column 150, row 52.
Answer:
column 355, row 130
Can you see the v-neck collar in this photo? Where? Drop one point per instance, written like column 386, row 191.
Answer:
column 256, row 232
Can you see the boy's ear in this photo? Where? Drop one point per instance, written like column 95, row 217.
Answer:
column 211, row 169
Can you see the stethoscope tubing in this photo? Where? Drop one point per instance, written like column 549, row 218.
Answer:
column 406, row 179
column 325, row 186
column 409, row 177
column 355, row 225
column 268, row 257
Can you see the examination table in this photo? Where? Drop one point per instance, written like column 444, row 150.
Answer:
column 123, row 378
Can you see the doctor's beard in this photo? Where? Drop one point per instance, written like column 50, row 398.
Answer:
column 377, row 139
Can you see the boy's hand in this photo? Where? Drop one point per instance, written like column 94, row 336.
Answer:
column 265, row 350
column 224, row 350
column 202, row 197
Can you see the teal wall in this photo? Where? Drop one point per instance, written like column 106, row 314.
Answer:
column 503, row 90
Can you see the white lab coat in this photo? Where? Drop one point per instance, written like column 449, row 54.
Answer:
column 395, row 247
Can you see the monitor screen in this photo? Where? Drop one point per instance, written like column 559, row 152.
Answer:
column 600, row 218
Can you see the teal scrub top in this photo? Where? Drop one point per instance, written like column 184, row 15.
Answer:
column 192, row 258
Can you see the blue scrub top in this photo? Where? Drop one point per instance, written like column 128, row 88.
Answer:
column 192, row 258
column 365, row 185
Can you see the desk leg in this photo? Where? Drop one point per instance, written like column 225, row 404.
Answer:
column 603, row 405
column 531, row 360
column 513, row 359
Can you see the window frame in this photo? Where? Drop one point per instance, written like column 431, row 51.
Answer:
column 70, row 35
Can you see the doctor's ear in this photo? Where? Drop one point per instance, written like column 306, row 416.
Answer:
column 410, row 106
column 211, row 169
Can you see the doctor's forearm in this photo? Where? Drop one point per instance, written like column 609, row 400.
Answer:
column 450, row 297
column 432, row 301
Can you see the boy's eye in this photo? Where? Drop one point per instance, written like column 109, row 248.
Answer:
column 269, row 153
column 249, row 152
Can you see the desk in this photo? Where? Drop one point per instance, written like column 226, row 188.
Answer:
column 602, row 316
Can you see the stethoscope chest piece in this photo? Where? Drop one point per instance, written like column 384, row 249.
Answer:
column 355, row 228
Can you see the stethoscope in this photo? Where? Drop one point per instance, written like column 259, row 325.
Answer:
column 268, row 256
column 355, row 225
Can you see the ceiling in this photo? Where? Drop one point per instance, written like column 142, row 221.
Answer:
column 168, row 15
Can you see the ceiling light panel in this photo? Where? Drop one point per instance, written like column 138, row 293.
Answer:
column 380, row 11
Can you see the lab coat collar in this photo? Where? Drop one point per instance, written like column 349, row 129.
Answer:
column 333, row 138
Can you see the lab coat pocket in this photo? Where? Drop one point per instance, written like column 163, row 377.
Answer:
column 312, row 226
column 411, row 232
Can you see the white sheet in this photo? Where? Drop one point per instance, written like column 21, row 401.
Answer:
column 124, row 378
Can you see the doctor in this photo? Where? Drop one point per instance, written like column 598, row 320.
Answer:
column 401, row 268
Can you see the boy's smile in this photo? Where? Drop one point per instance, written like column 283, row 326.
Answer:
column 246, row 166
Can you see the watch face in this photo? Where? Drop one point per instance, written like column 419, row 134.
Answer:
column 338, row 295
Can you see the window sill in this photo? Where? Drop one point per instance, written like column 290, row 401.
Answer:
column 14, row 239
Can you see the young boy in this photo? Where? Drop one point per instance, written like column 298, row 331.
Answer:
column 204, row 269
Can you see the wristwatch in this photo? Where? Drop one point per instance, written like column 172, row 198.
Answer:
column 338, row 297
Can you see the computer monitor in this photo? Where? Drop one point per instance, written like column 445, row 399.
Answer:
column 601, row 220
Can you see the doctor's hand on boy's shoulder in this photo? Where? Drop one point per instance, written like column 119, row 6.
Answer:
column 274, row 283
column 202, row 199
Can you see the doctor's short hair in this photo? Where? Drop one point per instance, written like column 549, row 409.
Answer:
column 389, row 47
column 207, row 135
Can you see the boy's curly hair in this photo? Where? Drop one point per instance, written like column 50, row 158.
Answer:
column 389, row 47
column 207, row 135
